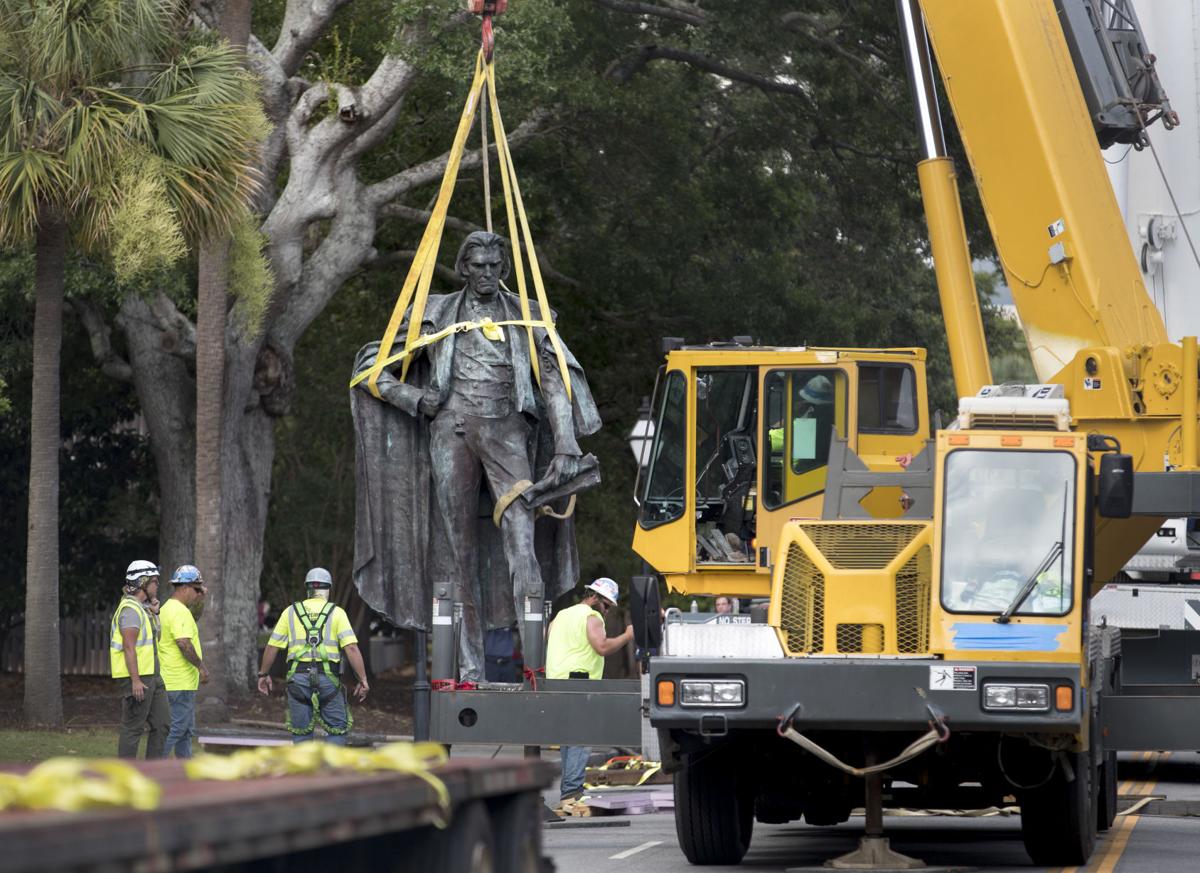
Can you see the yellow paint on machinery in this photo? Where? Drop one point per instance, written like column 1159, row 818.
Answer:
column 788, row 483
column 875, row 587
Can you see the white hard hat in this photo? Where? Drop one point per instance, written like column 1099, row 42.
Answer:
column 138, row 570
column 318, row 577
column 606, row 588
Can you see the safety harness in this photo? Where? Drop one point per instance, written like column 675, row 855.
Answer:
column 319, row 661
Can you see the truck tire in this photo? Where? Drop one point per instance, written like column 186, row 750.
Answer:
column 464, row 846
column 714, row 813
column 1106, row 806
column 517, row 829
column 1058, row 820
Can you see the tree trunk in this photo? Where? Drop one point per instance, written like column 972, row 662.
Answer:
column 210, row 387
column 167, row 398
column 43, row 681
column 210, row 413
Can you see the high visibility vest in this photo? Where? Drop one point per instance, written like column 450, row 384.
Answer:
column 320, row 626
column 568, row 649
column 144, row 645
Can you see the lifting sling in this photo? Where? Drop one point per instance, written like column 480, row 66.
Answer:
column 415, row 290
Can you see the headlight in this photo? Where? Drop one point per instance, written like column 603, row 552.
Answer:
column 1026, row 697
column 726, row 692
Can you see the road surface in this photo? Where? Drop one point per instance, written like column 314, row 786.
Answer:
column 1137, row 843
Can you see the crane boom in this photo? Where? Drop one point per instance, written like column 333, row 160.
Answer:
column 1055, row 222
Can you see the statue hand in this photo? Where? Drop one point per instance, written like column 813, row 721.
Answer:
column 562, row 469
column 429, row 404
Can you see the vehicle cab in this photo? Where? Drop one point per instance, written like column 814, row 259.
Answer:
column 741, row 445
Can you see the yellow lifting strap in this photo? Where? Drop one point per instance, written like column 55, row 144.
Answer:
column 415, row 290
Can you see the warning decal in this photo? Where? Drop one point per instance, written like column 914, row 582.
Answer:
column 952, row 678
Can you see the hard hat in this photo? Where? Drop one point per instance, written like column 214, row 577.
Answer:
column 138, row 571
column 187, row 575
column 318, row 577
column 817, row 391
column 606, row 588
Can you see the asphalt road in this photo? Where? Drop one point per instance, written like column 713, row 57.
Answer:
column 1138, row 843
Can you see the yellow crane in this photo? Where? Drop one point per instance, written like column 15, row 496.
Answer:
column 943, row 601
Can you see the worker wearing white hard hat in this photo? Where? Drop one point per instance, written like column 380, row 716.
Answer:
column 576, row 650
column 133, row 652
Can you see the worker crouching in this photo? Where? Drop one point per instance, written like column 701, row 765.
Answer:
column 315, row 633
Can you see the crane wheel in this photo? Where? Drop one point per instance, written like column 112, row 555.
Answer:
column 714, row 810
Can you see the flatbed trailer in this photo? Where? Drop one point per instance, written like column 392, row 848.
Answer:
column 335, row 821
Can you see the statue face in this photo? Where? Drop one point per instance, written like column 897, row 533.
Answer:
column 483, row 267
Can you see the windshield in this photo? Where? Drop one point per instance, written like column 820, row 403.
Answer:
column 1004, row 513
column 663, row 499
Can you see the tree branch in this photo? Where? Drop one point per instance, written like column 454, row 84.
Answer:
column 685, row 12
column 432, row 170
column 404, row 257
column 179, row 334
column 100, row 338
column 623, row 71
column 303, row 23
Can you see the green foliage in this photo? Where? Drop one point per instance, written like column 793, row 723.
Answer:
column 146, row 234
column 251, row 280
column 86, row 86
column 108, row 509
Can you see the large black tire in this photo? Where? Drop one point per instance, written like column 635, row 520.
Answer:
column 714, row 810
column 1058, row 820
column 517, row 827
column 1106, row 784
column 465, row 846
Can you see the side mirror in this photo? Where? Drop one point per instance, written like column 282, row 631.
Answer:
column 644, row 607
column 1114, row 498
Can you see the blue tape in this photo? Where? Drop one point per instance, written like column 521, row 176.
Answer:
column 989, row 636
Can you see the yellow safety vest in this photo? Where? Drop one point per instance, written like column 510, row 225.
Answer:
column 568, row 650
column 144, row 645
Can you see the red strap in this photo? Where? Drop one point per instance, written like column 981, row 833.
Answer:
column 531, row 676
column 451, row 685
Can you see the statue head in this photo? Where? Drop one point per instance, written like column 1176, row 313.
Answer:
column 483, row 261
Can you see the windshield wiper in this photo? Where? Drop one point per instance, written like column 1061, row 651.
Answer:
column 1055, row 554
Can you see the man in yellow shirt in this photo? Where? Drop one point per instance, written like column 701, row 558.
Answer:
column 576, row 650
column 314, row 633
column 181, row 659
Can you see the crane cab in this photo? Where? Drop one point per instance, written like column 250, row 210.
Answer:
column 741, row 446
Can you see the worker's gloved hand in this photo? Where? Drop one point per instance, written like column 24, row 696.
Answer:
column 139, row 689
column 360, row 692
column 264, row 685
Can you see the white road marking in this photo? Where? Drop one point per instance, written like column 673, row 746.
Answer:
column 621, row 856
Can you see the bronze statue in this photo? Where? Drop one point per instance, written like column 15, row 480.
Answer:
column 471, row 425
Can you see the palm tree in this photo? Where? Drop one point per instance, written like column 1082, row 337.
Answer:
column 118, row 133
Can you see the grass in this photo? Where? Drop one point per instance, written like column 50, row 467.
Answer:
column 31, row 746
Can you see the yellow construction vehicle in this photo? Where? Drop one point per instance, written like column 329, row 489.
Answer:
column 941, row 602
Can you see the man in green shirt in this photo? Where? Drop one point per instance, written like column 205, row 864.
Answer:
column 576, row 650
column 180, row 657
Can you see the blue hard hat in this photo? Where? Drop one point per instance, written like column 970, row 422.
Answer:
column 187, row 575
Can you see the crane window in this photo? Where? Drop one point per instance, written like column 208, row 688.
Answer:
column 803, row 409
column 1009, row 521
column 663, row 499
column 887, row 398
